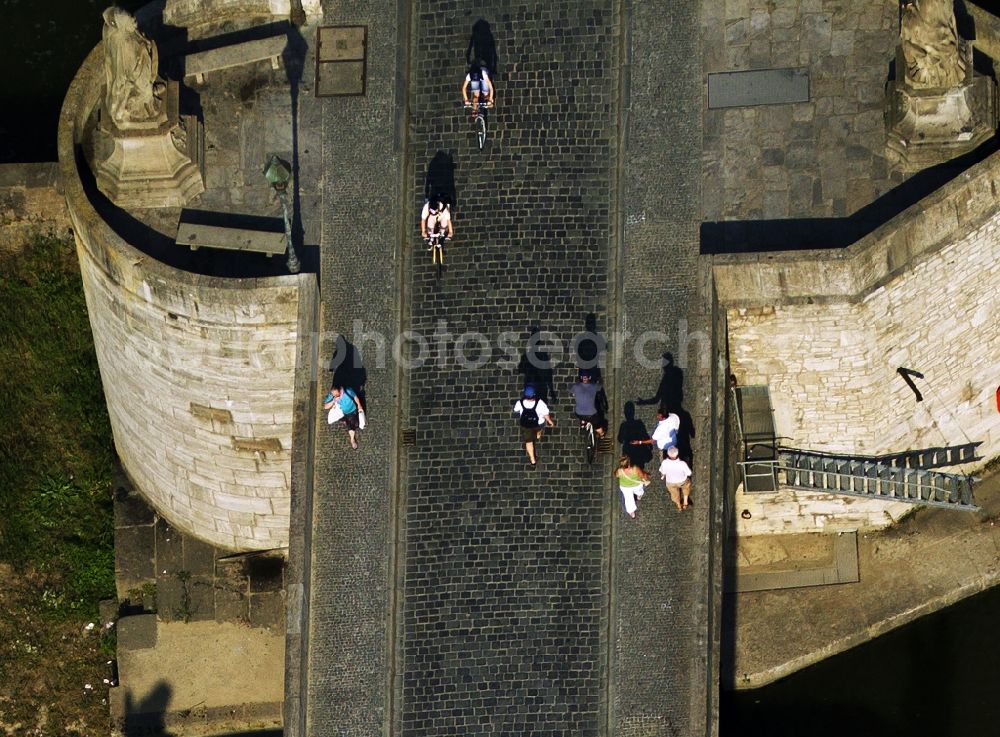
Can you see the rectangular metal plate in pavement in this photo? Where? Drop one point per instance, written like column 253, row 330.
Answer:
column 758, row 87
column 340, row 60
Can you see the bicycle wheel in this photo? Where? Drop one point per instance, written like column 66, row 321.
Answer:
column 589, row 442
column 439, row 257
column 481, row 130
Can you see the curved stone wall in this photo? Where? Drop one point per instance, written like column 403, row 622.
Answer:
column 198, row 371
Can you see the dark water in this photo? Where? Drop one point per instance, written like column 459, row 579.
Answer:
column 939, row 676
column 44, row 44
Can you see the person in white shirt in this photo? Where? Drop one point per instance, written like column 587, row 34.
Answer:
column 436, row 218
column 677, row 476
column 665, row 433
column 532, row 414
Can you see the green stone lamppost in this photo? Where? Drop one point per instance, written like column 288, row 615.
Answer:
column 277, row 174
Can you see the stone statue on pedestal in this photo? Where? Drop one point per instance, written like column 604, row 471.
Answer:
column 938, row 107
column 151, row 154
column 930, row 43
column 134, row 91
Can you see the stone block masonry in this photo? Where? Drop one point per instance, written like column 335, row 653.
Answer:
column 827, row 332
column 832, row 367
column 30, row 204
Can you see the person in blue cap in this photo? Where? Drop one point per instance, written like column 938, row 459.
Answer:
column 532, row 414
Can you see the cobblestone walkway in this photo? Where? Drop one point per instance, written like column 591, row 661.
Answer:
column 350, row 601
column 522, row 603
column 504, row 615
column 662, row 579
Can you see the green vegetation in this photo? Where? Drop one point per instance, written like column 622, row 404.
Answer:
column 56, row 453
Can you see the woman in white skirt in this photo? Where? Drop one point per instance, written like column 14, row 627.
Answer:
column 632, row 481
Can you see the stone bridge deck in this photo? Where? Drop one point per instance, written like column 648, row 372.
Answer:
column 450, row 589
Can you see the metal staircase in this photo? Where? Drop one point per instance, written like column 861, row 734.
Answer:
column 803, row 469
column 901, row 477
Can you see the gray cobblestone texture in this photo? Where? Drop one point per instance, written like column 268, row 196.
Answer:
column 659, row 679
column 350, row 604
column 504, row 613
column 822, row 158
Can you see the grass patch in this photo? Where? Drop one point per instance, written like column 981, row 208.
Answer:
column 56, row 452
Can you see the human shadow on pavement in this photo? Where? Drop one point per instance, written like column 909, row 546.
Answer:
column 632, row 428
column 483, row 46
column 348, row 368
column 146, row 716
column 589, row 347
column 440, row 178
column 536, row 364
column 670, row 392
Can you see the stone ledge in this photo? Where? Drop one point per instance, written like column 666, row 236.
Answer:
column 848, row 275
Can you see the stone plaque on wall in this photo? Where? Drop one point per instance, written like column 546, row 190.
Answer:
column 340, row 60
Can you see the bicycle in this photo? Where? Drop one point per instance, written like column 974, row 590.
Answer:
column 435, row 243
column 479, row 121
column 589, row 436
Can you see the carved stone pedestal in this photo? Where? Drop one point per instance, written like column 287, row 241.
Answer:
column 929, row 126
column 154, row 164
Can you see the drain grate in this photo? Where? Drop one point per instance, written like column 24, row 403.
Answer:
column 409, row 438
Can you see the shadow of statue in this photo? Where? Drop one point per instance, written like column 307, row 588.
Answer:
column 348, row 368
column 537, row 366
column 632, row 428
column 483, row 46
column 440, row 178
column 670, row 392
column 146, row 717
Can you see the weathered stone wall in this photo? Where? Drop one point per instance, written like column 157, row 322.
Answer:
column 30, row 204
column 832, row 367
column 194, row 12
column 198, row 371
column 826, row 333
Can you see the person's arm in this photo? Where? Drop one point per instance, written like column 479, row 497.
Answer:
column 423, row 221
column 450, row 230
column 489, row 85
column 547, row 417
column 647, row 441
column 465, row 90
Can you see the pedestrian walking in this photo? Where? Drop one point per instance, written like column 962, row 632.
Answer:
column 345, row 406
column 677, row 476
column 532, row 415
column 665, row 433
column 632, row 482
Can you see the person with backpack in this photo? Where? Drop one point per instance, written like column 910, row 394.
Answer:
column 532, row 414
column 478, row 82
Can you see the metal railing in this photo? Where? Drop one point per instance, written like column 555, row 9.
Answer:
column 863, row 478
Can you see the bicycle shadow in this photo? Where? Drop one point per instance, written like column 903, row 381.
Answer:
column 440, row 178
column 483, row 46
column 537, row 366
column 589, row 347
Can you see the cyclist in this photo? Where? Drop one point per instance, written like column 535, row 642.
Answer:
column 436, row 218
column 588, row 394
column 478, row 82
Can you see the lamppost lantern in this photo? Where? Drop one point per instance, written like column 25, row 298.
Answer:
column 277, row 173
